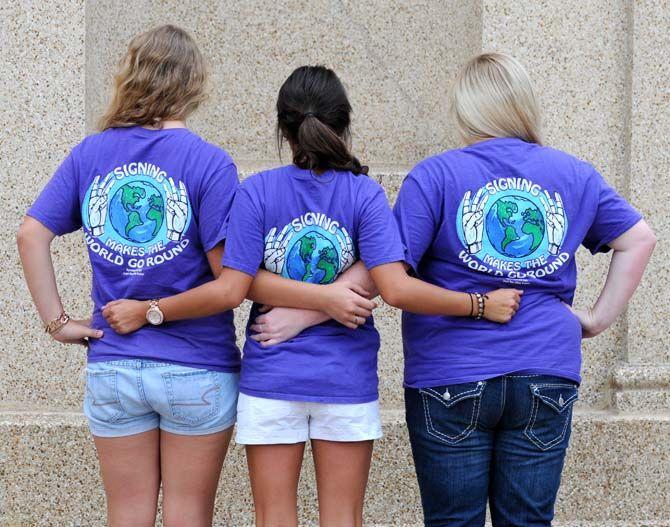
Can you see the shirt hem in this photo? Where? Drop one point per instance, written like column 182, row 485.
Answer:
column 49, row 224
column 613, row 234
column 211, row 245
column 382, row 261
column 447, row 381
column 239, row 267
column 309, row 398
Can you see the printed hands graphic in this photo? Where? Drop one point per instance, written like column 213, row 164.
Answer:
column 347, row 250
column 177, row 209
column 473, row 219
column 97, row 204
column 555, row 220
column 275, row 249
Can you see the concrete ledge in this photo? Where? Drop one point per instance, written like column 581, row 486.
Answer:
column 618, row 474
column 642, row 387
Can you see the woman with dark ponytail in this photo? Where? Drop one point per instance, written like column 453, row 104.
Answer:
column 309, row 224
column 316, row 127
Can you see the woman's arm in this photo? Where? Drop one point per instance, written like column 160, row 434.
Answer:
column 279, row 324
column 411, row 294
column 632, row 251
column 224, row 293
column 34, row 245
column 341, row 301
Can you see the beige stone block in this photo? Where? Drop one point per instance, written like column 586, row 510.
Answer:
column 42, row 97
column 396, row 59
column 617, row 473
column 649, row 337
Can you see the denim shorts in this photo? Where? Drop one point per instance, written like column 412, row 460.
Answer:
column 127, row 397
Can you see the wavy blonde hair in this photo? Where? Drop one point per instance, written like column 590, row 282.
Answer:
column 162, row 76
column 493, row 97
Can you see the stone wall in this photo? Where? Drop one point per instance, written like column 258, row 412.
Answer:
column 600, row 70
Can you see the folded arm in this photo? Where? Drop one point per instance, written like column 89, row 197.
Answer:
column 278, row 324
column 405, row 292
column 224, row 293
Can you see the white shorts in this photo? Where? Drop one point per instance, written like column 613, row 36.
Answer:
column 263, row 421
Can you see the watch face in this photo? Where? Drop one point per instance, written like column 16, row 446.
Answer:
column 154, row 316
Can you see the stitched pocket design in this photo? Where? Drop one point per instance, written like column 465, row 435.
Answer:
column 102, row 399
column 452, row 412
column 550, row 413
column 194, row 396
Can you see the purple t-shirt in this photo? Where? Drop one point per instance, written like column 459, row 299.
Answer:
column 151, row 202
column 502, row 213
column 311, row 228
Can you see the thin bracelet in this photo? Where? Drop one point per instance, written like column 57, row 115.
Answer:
column 472, row 306
column 480, row 306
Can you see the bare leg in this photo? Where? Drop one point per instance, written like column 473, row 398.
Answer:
column 341, row 477
column 191, row 466
column 130, row 468
column 274, row 471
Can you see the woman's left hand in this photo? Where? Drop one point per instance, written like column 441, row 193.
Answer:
column 591, row 327
column 280, row 324
column 125, row 316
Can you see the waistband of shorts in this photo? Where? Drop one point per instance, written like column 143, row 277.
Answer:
column 136, row 364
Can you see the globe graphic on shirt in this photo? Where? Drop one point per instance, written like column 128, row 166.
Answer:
column 313, row 258
column 515, row 226
column 136, row 211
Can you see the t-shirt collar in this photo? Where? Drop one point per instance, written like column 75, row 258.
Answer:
column 306, row 174
column 497, row 141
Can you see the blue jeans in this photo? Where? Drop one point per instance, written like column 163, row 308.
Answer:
column 502, row 440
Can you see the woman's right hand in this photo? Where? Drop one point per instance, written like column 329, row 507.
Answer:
column 502, row 304
column 346, row 302
column 76, row 332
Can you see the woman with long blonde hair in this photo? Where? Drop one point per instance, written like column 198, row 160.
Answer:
column 489, row 407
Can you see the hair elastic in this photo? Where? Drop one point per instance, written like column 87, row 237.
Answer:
column 308, row 114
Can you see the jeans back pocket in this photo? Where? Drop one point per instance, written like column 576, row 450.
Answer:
column 550, row 413
column 102, row 397
column 452, row 412
column 194, row 396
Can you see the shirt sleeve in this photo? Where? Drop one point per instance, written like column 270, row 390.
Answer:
column 378, row 236
column 614, row 216
column 216, row 200
column 58, row 207
column 417, row 216
column 244, row 236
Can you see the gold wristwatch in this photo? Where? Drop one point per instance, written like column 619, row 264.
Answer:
column 154, row 314
column 57, row 324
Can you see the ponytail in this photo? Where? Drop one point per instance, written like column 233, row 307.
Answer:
column 313, row 114
column 320, row 148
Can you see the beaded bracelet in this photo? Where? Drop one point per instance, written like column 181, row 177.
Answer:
column 481, row 306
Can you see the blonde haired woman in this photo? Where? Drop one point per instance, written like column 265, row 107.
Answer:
column 489, row 407
column 152, row 198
